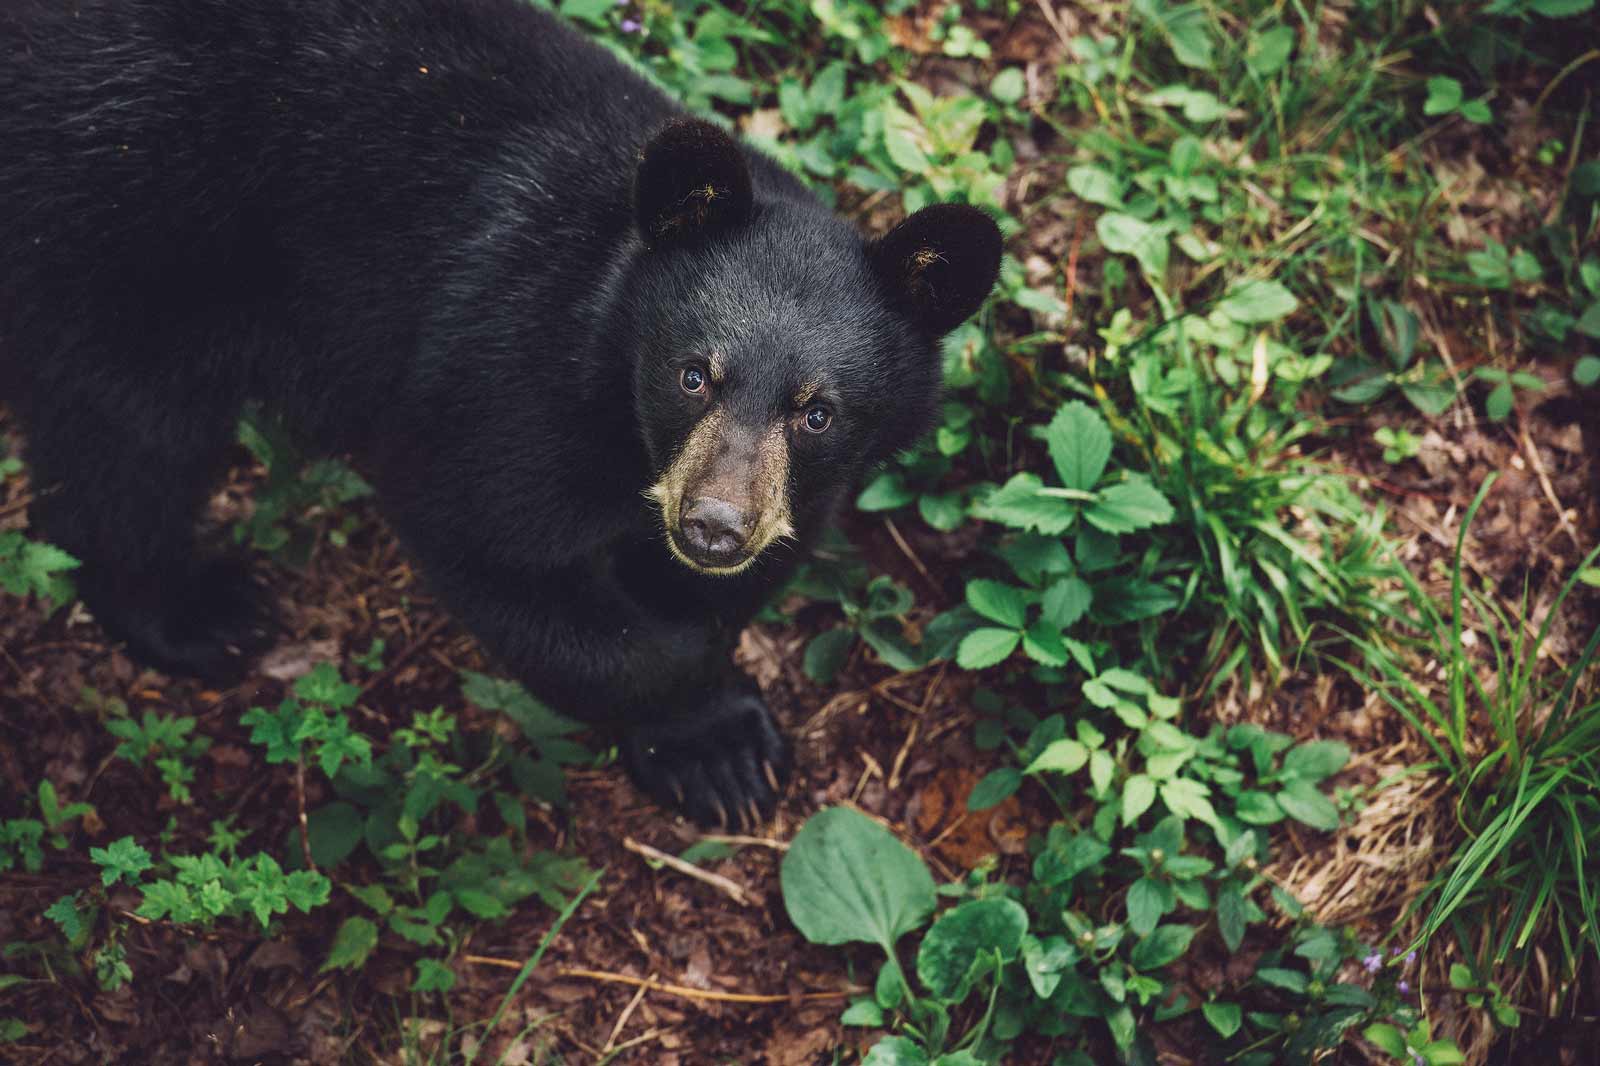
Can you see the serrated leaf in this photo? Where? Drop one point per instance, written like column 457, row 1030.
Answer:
column 1066, row 601
column 1138, row 793
column 997, row 602
column 1019, row 505
column 1080, row 445
column 1042, row 643
column 986, row 647
column 1129, row 506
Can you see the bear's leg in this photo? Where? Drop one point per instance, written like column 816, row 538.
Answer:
column 121, row 471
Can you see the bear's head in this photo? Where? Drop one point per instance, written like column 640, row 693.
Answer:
column 779, row 355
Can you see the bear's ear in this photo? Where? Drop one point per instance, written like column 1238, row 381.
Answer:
column 939, row 264
column 692, row 179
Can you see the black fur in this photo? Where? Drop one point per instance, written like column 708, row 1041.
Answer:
column 411, row 229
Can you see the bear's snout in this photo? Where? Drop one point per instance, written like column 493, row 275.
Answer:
column 715, row 531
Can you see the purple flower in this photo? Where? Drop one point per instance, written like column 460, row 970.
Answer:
column 1373, row 962
column 1403, row 986
column 1411, row 957
column 1417, row 1059
column 631, row 26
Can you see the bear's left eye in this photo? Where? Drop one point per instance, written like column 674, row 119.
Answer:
column 693, row 380
column 818, row 419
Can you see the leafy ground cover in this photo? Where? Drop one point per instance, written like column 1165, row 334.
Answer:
column 1216, row 684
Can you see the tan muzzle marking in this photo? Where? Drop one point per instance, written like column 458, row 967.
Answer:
column 754, row 478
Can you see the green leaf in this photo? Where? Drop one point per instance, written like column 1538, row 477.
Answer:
column 826, row 654
column 1315, row 760
column 1302, row 802
column 1477, row 111
column 324, row 686
column 1127, row 235
column 1499, row 403
column 1043, row 644
column 997, row 602
column 886, row 492
column 847, row 878
column 1268, row 51
column 1096, row 185
column 1066, row 601
column 1589, row 324
column 1257, row 808
column 963, row 935
column 1138, row 793
column 1188, row 798
column 1225, row 1018
column 1258, row 301
column 351, row 945
column 996, row 787
column 121, row 860
column 334, row 831
column 480, row 904
column 1444, row 96
column 1586, row 371
column 1387, row 1038
column 1166, row 945
column 64, row 912
column 1129, row 506
column 1232, row 915
column 1080, row 445
column 895, row 1051
column 1009, row 86
column 433, row 976
column 1060, row 756
column 863, row 1012
column 1287, row 980
column 1148, row 902
column 1560, row 9
column 986, row 647
column 904, row 138
column 1018, row 504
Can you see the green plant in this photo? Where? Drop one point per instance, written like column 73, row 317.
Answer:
column 1527, row 804
column 297, row 503
column 164, row 741
column 30, row 567
column 22, row 839
column 1498, row 404
column 1398, row 444
column 1424, row 383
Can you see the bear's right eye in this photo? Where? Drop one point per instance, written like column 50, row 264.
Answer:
column 693, row 380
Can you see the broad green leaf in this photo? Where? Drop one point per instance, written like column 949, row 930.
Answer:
column 1138, row 793
column 1066, row 601
column 334, row 831
column 1444, row 96
column 351, row 945
column 1315, row 760
column 1587, row 369
column 1127, row 235
column 1019, row 505
column 1302, row 802
column 997, row 602
column 1225, row 1018
column 996, row 787
column 1042, row 643
column 1060, row 756
column 863, row 1012
column 906, row 141
column 1096, row 185
column 1080, row 445
column 1269, row 50
column 845, row 878
column 1387, row 1038
column 1257, row 808
column 1589, row 325
column 986, row 647
column 963, row 934
column 1148, row 901
column 1258, row 301
column 1009, row 85
column 1188, row 798
column 1129, row 506
column 1166, row 945
column 886, row 492
column 895, row 1051
column 826, row 654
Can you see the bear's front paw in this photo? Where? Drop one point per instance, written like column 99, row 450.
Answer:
column 207, row 622
column 723, row 764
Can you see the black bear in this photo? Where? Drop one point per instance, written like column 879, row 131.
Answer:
column 608, row 369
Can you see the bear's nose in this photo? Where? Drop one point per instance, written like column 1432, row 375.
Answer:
column 715, row 530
